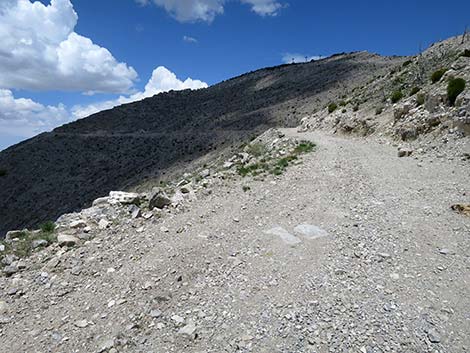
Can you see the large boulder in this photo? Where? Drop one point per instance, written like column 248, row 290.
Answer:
column 124, row 198
column 158, row 199
column 67, row 240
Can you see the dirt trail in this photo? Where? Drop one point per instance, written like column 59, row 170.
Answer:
column 391, row 275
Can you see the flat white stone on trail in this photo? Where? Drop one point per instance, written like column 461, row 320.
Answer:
column 285, row 236
column 310, row 231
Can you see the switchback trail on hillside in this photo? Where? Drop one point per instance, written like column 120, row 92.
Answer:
column 352, row 250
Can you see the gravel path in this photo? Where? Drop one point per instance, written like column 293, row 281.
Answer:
column 382, row 266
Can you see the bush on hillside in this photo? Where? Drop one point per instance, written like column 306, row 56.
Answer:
column 420, row 99
column 332, row 107
column 466, row 53
column 396, row 96
column 414, row 90
column 454, row 88
column 407, row 62
column 437, row 75
column 48, row 227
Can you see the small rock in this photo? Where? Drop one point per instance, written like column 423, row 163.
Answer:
column 106, row 345
column 189, row 331
column 178, row 319
column 444, row 251
column 434, row 336
column 155, row 313
column 14, row 234
column 404, row 152
column 67, row 240
column 10, row 270
column 78, row 224
column 81, row 323
column 3, row 307
column 124, row 198
column 164, row 229
column 134, row 211
column 395, row 276
column 9, row 259
column 103, row 224
column 39, row 243
column 158, row 199
column 205, row 173
column 2, row 248
column 186, row 189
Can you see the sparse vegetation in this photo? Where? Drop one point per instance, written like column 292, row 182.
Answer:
column 396, row 96
column 304, row 147
column 344, row 111
column 437, row 75
column 274, row 165
column 414, row 90
column 420, row 99
column 25, row 240
column 246, row 188
column 256, row 149
column 466, row 53
column 332, row 107
column 342, row 103
column 407, row 62
column 356, row 108
column 47, row 227
column 454, row 88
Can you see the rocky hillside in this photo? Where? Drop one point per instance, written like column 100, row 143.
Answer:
column 143, row 142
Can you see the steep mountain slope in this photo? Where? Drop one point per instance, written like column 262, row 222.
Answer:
column 66, row 169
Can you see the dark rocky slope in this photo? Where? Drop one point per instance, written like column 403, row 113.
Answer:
column 64, row 170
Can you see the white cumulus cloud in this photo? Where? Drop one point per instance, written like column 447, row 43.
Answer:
column 24, row 117
column 207, row 10
column 39, row 50
column 162, row 80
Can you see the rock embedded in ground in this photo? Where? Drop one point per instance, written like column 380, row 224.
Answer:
column 124, row 198
column 67, row 240
column 158, row 199
column 310, row 231
column 405, row 152
column 284, row 235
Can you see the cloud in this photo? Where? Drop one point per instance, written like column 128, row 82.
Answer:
column 207, row 10
column 25, row 118
column 289, row 58
column 162, row 80
column 188, row 39
column 264, row 7
column 39, row 50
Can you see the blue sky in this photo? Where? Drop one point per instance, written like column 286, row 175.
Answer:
column 224, row 39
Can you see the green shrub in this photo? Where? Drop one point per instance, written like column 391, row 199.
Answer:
column 246, row 188
column 344, row 111
column 414, row 90
column 257, row 149
column 396, row 96
column 304, row 147
column 379, row 110
column 437, row 75
column 47, row 227
column 332, row 107
column 454, row 88
column 420, row 99
column 407, row 62
column 466, row 53
column 3, row 172
column 342, row 103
